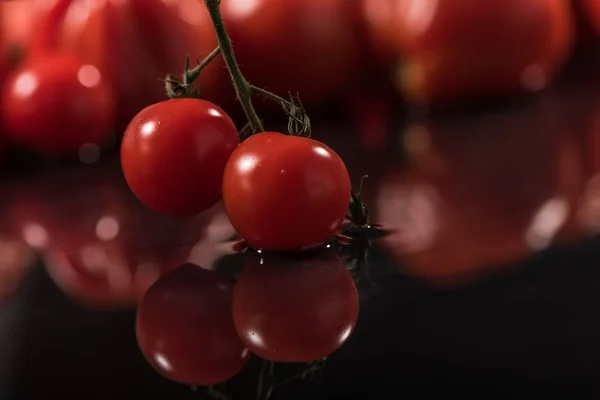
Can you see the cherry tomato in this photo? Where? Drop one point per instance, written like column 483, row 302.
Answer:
column 467, row 48
column 185, row 329
column 309, row 46
column 55, row 104
column 174, row 153
column 133, row 43
column 294, row 309
column 285, row 192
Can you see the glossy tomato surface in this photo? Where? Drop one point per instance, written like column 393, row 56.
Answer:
column 56, row 103
column 174, row 152
column 309, row 46
column 465, row 48
column 285, row 193
column 296, row 308
column 185, row 329
column 133, row 42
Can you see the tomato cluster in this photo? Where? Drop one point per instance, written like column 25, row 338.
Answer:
column 430, row 50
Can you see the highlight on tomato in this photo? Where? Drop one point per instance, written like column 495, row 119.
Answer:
column 174, row 152
column 185, row 330
column 55, row 103
column 285, row 193
column 468, row 48
column 297, row 308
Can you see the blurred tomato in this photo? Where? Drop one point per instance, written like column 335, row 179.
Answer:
column 135, row 43
column 592, row 8
column 309, row 46
column 296, row 308
column 15, row 21
column 57, row 104
column 463, row 48
column 15, row 26
column 586, row 35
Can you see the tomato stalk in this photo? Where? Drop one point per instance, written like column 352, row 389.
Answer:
column 177, row 89
column 241, row 85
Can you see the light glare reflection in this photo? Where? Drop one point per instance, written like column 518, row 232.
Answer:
column 547, row 222
column 88, row 76
column 26, row 84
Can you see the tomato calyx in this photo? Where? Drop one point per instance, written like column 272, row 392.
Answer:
column 298, row 119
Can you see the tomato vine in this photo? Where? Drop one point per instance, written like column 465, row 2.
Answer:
column 298, row 120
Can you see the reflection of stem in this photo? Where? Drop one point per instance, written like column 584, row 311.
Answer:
column 266, row 369
column 216, row 394
column 266, row 381
column 311, row 369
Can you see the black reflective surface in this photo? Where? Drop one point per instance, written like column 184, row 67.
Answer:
column 489, row 286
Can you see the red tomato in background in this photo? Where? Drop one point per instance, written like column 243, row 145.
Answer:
column 284, row 192
column 185, row 329
column 295, row 309
column 310, row 46
column 463, row 48
column 592, row 7
column 174, row 153
column 15, row 27
column 56, row 104
column 134, row 43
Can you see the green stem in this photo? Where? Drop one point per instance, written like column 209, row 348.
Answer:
column 193, row 74
column 242, row 87
column 268, row 95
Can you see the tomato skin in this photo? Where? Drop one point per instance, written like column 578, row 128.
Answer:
column 294, row 309
column 174, row 152
column 55, row 104
column 185, row 330
column 469, row 48
column 592, row 7
column 285, row 193
column 310, row 46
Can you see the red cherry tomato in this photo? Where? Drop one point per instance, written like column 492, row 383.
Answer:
column 285, row 193
column 309, row 46
column 174, row 153
column 133, row 42
column 185, row 330
column 55, row 104
column 466, row 48
column 294, row 309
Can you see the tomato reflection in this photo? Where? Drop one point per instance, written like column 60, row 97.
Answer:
column 589, row 205
column 296, row 308
column 99, row 244
column 480, row 192
column 15, row 262
column 185, row 330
